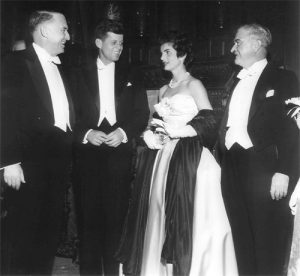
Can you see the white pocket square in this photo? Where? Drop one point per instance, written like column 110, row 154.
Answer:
column 270, row 93
column 129, row 84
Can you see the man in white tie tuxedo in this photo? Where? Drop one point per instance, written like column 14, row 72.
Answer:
column 111, row 110
column 259, row 152
column 36, row 141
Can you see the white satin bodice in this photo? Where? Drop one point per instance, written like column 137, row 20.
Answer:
column 177, row 110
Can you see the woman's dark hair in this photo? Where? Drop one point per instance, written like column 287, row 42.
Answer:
column 181, row 43
column 108, row 25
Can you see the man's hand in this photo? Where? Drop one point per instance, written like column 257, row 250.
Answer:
column 13, row 176
column 115, row 138
column 279, row 186
column 96, row 137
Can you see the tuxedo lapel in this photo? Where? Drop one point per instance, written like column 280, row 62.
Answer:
column 91, row 77
column 225, row 116
column 262, row 86
column 39, row 79
column 70, row 101
column 222, row 128
column 119, row 85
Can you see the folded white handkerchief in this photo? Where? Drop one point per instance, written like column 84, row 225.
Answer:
column 270, row 93
column 129, row 84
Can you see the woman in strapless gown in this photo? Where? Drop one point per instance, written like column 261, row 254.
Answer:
column 177, row 223
column 294, row 262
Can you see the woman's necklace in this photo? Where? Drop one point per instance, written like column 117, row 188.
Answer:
column 174, row 83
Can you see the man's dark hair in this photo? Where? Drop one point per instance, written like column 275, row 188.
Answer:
column 38, row 17
column 181, row 43
column 108, row 25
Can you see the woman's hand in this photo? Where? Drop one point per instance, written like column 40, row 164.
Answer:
column 297, row 119
column 152, row 140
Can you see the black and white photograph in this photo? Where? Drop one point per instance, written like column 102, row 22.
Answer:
column 150, row 138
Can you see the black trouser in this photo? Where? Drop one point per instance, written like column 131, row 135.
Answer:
column 261, row 227
column 102, row 177
column 30, row 231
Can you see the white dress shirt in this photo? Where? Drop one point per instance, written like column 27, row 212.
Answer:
column 57, row 90
column 239, row 106
column 106, row 82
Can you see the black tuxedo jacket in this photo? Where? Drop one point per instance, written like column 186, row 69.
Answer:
column 28, row 133
column 268, row 125
column 132, row 111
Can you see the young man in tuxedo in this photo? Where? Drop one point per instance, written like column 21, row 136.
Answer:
column 36, row 143
column 112, row 110
column 259, row 149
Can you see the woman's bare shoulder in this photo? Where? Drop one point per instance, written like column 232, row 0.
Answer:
column 195, row 83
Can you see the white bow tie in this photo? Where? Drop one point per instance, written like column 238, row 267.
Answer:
column 55, row 60
column 100, row 66
column 245, row 73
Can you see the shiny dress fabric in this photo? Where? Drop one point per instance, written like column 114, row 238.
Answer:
column 177, row 214
column 294, row 263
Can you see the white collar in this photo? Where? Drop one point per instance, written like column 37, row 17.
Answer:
column 101, row 65
column 44, row 55
column 254, row 69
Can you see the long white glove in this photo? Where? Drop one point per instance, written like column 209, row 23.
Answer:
column 185, row 131
column 152, row 140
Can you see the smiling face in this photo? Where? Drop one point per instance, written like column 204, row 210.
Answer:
column 110, row 47
column 244, row 48
column 169, row 57
column 56, row 31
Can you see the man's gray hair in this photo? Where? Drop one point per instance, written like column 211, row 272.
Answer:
column 38, row 17
column 261, row 32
